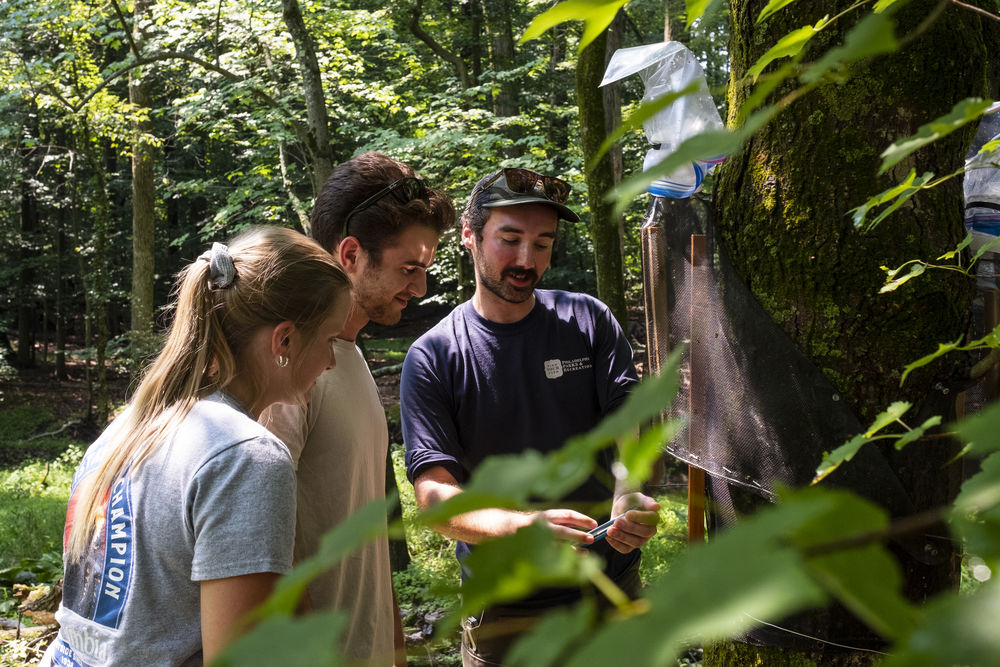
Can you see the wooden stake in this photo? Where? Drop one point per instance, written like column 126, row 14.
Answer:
column 991, row 317
column 696, row 412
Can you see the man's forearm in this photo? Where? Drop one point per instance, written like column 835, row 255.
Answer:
column 479, row 525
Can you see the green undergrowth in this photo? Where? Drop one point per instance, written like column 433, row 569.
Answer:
column 387, row 350
column 33, row 500
column 22, row 435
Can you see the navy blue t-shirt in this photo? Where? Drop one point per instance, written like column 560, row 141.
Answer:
column 472, row 388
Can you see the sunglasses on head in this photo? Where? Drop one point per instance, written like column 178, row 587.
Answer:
column 410, row 187
column 526, row 181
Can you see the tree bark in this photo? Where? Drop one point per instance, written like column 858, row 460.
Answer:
column 613, row 118
column 600, row 180
column 474, row 10
column 318, row 137
column 782, row 214
column 95, row 276
column 60, row 316
column 26, row 272
column 498, row 25
column 143, row 203
column 675, row 22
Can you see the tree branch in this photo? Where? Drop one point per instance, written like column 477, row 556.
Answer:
column 976, row 9
column 300, row 129
column 456, row 61
column 905, row 526
column 126, row 28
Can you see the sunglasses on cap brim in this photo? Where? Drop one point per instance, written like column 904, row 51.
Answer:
column 526, row 181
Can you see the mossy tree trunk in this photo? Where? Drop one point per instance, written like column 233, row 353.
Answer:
column 600, row 179
column 783, row 207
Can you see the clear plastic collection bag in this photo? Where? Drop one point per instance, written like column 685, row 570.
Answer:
column 664, row 68
column 982, row 186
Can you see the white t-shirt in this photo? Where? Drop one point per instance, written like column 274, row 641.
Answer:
column 339, row 443
column 216, row 500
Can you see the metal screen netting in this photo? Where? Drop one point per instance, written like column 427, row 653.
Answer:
column 759, row 413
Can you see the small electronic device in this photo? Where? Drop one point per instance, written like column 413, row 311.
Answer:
column 601, row 531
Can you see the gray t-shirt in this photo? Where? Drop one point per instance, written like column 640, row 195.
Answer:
column 216, row 500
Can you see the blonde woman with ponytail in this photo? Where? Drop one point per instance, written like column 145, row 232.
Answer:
column 182, row 514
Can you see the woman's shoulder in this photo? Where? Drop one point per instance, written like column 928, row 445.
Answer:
column 216, row 424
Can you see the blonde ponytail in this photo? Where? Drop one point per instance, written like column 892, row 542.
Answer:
column 214, row 319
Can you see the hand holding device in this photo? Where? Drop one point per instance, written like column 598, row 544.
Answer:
column 601, row 531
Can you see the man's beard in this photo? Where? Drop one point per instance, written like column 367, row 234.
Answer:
column 506, row 291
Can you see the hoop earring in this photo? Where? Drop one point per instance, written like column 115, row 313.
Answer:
column 282, row 361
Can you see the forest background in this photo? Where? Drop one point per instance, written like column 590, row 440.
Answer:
column 133, row 136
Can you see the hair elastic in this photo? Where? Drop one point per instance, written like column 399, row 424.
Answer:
column 221, row 270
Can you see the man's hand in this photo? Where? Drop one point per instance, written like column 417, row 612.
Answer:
column 634, row 529
column 568, row 525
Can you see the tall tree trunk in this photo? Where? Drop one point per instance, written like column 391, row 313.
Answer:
column 318, row 141
column 26, row 273
column 60, row 317
column 613, row 118
column 143, row 204
column 98, row 272
column 675, row 22
column 600, row 179
column 474, row 11
column 501, row 32
column 782, row 214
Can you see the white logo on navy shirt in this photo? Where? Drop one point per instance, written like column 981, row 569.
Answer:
column 556, row 368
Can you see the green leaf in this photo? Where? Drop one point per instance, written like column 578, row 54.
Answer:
column 788, row 46
column 868, row 582
column 981, row 430
column 981, row 492
column 883, row 5
column 832, row 460
column 898, row 194
column 963, row 244
column 956, row 630
column 983, row 249
column 891, row 415
column 695, row 9
column 511, row 567
column 597, row 14
column 704, row 598
column 975, row 515
column 551, row 639
column 310, row 640
column 639, row 455
column 866, row 579
column 915, row 434
column 916, row 268
column 362, row 526
column 943, row 349
column 773, row 7
column 871, row 36
column 964, row 112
